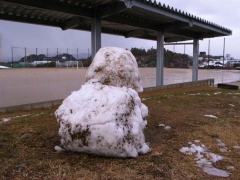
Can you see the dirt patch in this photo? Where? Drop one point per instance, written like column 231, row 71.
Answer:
column 181, row 109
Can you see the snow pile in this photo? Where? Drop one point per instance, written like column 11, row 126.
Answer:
column 115, row 67
column 58, row 148
column 144, row 99
column 6, row 119
column 3, row 67
column 205, row 160
column 222, row 145
column 232, row 93
column 105, row 117
column 236, row 147
column 199, row 94
column 230, row 167
column 211, row 116
column 165, row 127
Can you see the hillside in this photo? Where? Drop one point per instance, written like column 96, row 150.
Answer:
column 147, row 58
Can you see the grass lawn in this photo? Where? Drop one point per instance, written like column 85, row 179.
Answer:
column 28, row 139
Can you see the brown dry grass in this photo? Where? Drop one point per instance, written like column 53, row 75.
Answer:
column 35, row 157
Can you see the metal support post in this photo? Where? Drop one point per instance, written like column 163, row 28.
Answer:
column 223, row 51
column 160, row 58
column 95, row 34
column 195, row 59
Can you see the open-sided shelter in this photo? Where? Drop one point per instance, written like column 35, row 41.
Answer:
column 144, row 19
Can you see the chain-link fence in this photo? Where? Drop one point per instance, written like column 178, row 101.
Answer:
column 49, row 57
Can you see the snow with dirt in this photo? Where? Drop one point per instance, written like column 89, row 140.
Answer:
column 210, row 116
column 205, row 159
column 115, row 67
column 106, row 117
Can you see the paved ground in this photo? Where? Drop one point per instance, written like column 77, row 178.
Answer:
column 24, row 86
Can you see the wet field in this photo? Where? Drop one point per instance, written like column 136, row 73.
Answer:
column 31, row 85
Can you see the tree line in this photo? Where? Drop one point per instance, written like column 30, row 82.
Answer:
column 148, row 58
column 145, row 58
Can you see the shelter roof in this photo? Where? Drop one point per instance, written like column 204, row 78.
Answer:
column 129, row 18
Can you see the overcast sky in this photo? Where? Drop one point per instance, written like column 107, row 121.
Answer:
column 221, row 12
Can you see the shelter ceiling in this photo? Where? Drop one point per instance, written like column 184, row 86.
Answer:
column 129, row 18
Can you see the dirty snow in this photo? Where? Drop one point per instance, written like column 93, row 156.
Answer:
column 3, row 67
column 230, row 167
column 115, row 67
column 217, row 93
column 143, row 99
column 220, row 143
column 205, row 159
column 224, row 149
column 211, row 116
column 231, row 105
column 207, row 94
column 236, row 147
column 6, row 119
column 58, row 148
column 167, row 127
column 233, row 93
column 106, row 117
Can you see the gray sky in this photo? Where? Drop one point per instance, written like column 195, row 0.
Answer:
column 221, row 12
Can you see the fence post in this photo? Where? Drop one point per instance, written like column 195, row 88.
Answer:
column 12, row 57
column 25, row 56
column 36, row 55
column 47, row 56
column 67, row 58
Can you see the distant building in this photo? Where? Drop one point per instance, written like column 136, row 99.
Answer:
column 202, row 54
column 228, row 56
column 35, row 63
column 234, row 61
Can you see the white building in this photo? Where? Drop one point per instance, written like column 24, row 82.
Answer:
column 35, row 63
column 234, row 61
